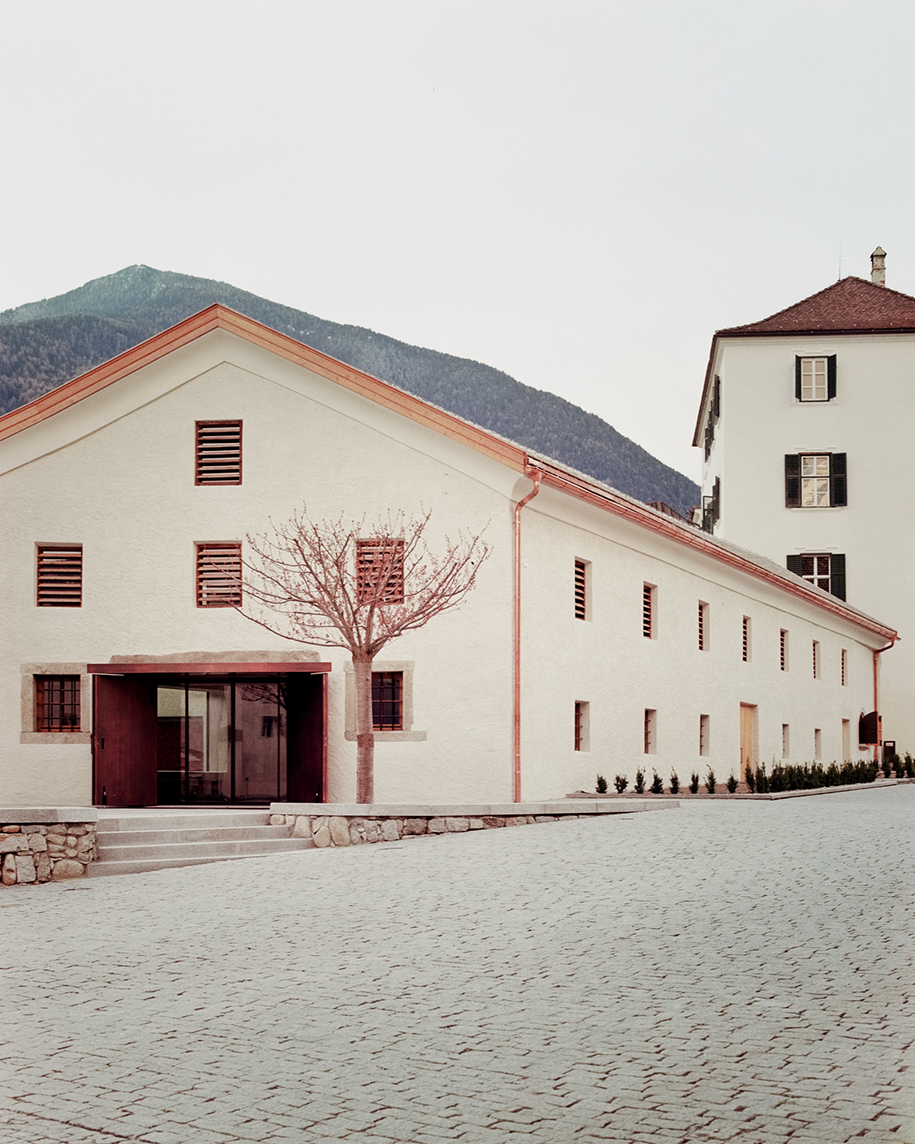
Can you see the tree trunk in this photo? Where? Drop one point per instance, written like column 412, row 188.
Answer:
column 365, row 737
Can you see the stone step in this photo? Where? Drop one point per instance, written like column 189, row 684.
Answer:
column 150, row 865
column 227, row 849
column 108, row 838
column 182, row 820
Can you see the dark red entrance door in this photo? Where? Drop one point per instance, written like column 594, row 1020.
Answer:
column 124, row 741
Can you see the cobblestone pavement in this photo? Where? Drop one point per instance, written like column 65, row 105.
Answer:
column 726, row 971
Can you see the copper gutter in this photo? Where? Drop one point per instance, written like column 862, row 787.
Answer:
column 536, row 476
column 878, row 651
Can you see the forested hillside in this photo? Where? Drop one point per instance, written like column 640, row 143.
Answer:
column 45, row 343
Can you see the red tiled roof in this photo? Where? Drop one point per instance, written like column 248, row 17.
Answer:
column 848, row 305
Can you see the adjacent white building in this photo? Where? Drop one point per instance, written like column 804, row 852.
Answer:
column 806, row 422
column 602, row 636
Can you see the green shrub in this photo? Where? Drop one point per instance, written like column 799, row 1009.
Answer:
column 693, row 783
column 909, row 766
column 620, row 782
column 601, row 787
column 674, row 783
column 751, row 778
column 731, row 784
column 710, row 781
column 898, row 767
column 657, row 787
column 762, row 779
column 887, row 766
column 639, row 781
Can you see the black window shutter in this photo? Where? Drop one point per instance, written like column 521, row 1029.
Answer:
column 792, row 480
column 797, row 378
column 831, row 377
column 838, row 474
column 793, row 563
column 716, row 398
column 837, row 574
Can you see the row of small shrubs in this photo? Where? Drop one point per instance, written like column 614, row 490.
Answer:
column 783, row 776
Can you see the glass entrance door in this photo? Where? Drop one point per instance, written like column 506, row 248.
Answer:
column 221, row 741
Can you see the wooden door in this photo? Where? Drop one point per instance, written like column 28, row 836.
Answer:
column 747, row 738
column 124, row 741
column 306, row 745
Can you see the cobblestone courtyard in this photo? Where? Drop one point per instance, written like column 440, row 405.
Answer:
column 726, row 971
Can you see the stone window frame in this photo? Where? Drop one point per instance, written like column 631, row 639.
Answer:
column 407, row 735
column 28, row 734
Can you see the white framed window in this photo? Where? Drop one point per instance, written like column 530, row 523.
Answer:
column 824, row 569
column 704, row 734
column 813, row 379
column 651, row 731
column 786, row 741
column 815, row 480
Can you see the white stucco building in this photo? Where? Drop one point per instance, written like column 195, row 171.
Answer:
column 805, row 420
column 602, row 635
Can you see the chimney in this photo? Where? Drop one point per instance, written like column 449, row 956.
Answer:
column 878, row 267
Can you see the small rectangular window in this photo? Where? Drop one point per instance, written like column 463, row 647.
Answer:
column 60, row 576
column 218, row 575
column 581, row 590
column 387, row 700
column 582, row 713
column 817, row 743
column 816, row 659
column 844, row 667
column 703, row 626
column 648, row 609
column 786, row 741
column 746, row 649
column 824, row 569
column 703, row 734
column 651, row 719
column 816, row 480
column 815, row 378
column 380, row 571
column 218, row 453
column 783, row 649
column 57, row 703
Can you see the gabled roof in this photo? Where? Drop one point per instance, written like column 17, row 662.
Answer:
column 849, row 306
column 514, row 456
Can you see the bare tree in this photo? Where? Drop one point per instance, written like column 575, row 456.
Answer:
column 357, row 586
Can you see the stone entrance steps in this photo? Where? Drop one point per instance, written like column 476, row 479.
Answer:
column 135, row 842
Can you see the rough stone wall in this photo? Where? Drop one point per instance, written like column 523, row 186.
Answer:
column 345, row 830
column 46, row 852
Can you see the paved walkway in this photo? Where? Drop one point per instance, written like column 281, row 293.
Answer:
column 723, row 972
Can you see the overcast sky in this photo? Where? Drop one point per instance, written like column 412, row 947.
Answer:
column 578, row 193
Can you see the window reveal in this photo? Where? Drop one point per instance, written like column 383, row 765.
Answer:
column 783, row 649
column 815, row 378
column 380, row 571
column 703, row 626
column 648, row 611
column 387, row 700
column 218, row 575
column 581, row 584
column 57, row 703
column 218, row 453
column 60, row 576
column 745, row 643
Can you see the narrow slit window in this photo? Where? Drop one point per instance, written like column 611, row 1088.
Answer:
column 844, row 667
column 651, row 727
column 746, row 647
column 704, row 734
column 387, row 700
column 786, row 741
column 648, row 608
column 703, row 626
column 57, row 703
column 218, row 575
column 60, row 576
column 380, row 571
column 218, row 453
column 581, row 590
column 783, row 649
column 816, row 659
column 817, row 743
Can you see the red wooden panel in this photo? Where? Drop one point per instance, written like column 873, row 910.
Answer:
column 124, row 741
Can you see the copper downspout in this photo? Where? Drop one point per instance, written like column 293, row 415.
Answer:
column 536, row 476
column 879, row 651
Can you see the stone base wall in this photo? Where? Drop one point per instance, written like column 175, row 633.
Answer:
column 46, row 852
column 353, row 830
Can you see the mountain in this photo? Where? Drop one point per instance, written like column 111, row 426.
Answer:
column 43, row 344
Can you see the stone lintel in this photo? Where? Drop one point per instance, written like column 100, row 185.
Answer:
column 24, row 814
